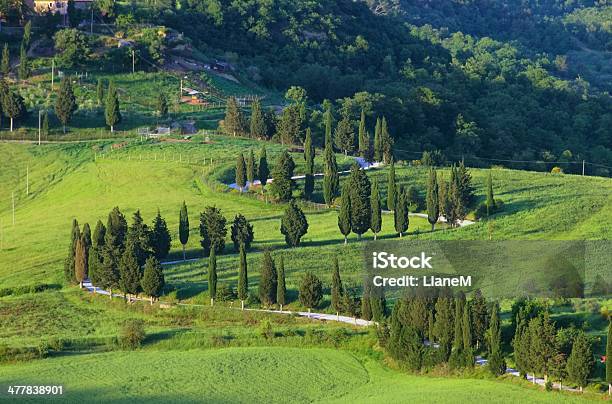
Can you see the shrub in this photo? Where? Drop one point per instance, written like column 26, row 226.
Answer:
column 481, row 210
column 548, row 386
column 225, row 293
column 556, row 170
column 132, row 334
column 266, row 330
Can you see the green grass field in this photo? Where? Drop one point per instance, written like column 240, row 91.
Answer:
column 254, row 375
column 86, row 180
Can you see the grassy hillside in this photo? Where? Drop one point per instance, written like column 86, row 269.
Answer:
column 263, row 375
column 67, row 181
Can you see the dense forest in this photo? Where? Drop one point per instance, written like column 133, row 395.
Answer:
column 439, row 88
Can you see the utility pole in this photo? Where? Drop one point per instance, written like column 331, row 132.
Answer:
column 583, row 168
column 39, row 129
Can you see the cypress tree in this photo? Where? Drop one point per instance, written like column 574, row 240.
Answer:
column 344, row 214
column 336, row 289
column 376, row 223
column 361, row 211
column 241, row 232
column 309, row 155
column 480, row 317
column 464, row 185
column 213, row 230
column 153, row 281
column 430, row 327
column 240, row 172
column 160, row 237
column 490, row 199
column 331, row 179
column 183, row 227
column 80, row 262
column 293, row 225
column 243, row 280
column 580, row 362
column 65, row 104
column 27, row 35
column 86, row 237
column 24, row 64
column 378, row 304
column 69, row 263
column 609, row 357
column 282, row 185
column 433, row 205
column 116, row 231
column 162, row 105
column 262, row 169
column 310, row 291
column 258, row 125
column 234, row 120
column 364, row 146
column 391, row 188
column 212, row 276
column 251, row 168
column 12, row 105
column 401, row 213
column 386, row 142
column 443, row 201
column 109, row 270
column 443, row 326
column 140, row 236
column 378, row 150
column 5, row 65
column 129, row 271
column 45, row 124
column 267, row 280
column 112, row 113
column 281, row 289
column 100, row 92
column 329, row 116
column 458, row 339
column 96, row 251
column 366, row 303
column 542, row 344
column 496, row 362
column 467, row 337
column 345, row 136
column 455, row 208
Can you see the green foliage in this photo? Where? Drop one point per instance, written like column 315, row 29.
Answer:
column 331, row 180
column 130, row 273
column 251, row 167
column 345, row 135
column 268, row 280
column 233, row 124
column 243, row 279
column 161, row 106
column 153, row 281
column 240, row 172
column 212, row 230
column 132, row 334
column 257, row 123
column 5, row 64
column 391, row 188
column 310, row 291
column 24, row 64
column 183, row 229
column 359, row 193
column 112, row 113
column 344, row 214
column 281, row 289
column 580, row 363
column 262, row 168
column 65, row 103
column 73, row 47
column 496, row 363
column 293, row 225
column 609, row 353
column 212, row 274
column 309, row 156
column 80, row 261
column 433, row 204
column 400, row 214
column 100, row 92
column 375, row 203
column 282, row 173
column 480, row 318
column 336, row 287
column 69, row 263
column 378, row 145
column 160, row 238
column 241, row 232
